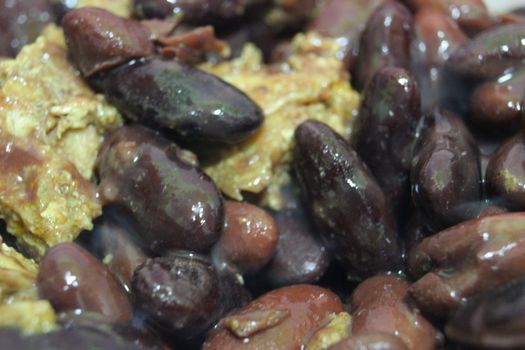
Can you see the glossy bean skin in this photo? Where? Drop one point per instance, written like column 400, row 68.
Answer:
column 384, row 42
column 505, row 173
column 446, row 172
column 385, row 133
column 346, row 202
column 249, row 237
column 498, row 105
column 71, row 278
column 492, row 320
column 194, row 105
column 467, row 259
column 379, row 304
column 175, row 204
column 298, row 311
column 490, row 54
column 370, row 341
column 98, row 40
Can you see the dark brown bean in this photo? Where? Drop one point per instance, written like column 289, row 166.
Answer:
column 379, row 304
column 168, row 94
column 249, row 237
column 97, row 39
column 506, row 173
column 493, row 320
column 446, row 172
column 174, row 203
column 467, row 259
column 385, row 42
column 490, row 54
column 71, row 278
column 280, row 319
column 498, row 105
column 346, row 202
column 385, row 133
column 370, row 341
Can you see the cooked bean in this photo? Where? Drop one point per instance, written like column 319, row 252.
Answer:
column 466, row 260
column 174, row 203
column 492, row 320
column 385, row 42
column 506, row 173
column 385, row 133
column 346, row 202
column 370, row 341
column 379, row 304
column 249, row 238
column 71, row 278
column 280, row 319
column 97, row 39
column 168, row 94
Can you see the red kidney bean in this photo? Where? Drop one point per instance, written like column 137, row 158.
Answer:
column 506, row 173
column 249, row 238
column 467, row 259
column 490, row 54
column 492, row 320
column 370, row 341
column 174, row 203
column 384, row 42
column 346, row 202
column 379, row 304
column 385, row 133
column 498, row 105
column 280, row 319
column 71, row 278
column 97, row 39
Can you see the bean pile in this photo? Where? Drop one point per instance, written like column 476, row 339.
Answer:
column 407, row 234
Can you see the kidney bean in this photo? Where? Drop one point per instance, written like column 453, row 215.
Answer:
column 506, row 173
column 492, row 320
column 179, row 293
column 299, row 257
column 98, row 39
column 467, row 259
column 71, row 278
column 370, row 341
column 174, row 203
column 168, row 94
column 385, row 42
column 446, row 172
column 21, row 22
column 490, row 54
column 498, row 105
column 249, row 238
column 280, row 319
column 379, row 304
column 346, row 202
column 385, row 133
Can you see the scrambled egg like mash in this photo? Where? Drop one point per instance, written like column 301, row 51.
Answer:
column 311, row 84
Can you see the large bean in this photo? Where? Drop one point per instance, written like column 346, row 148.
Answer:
column 370, row 341
column 346, row 202
column 174, row 203
column 71, row 278
column 168, row 94
column 384, row 42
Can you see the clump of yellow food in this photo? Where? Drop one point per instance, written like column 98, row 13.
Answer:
column 311, row 84
column 119, row 7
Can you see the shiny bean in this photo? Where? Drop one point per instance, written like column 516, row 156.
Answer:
column 370, row 341
column 174, row 203
column 280, row 319
column 490, row 54
column 168, row 94
column 71, row 278
column 467, row 259
column 385, row 42
column 492, row 320
column 379, row 304
column 249, row 238
column 346, row 202
column 98, row 40
column 506, row 173
column 385, row 133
